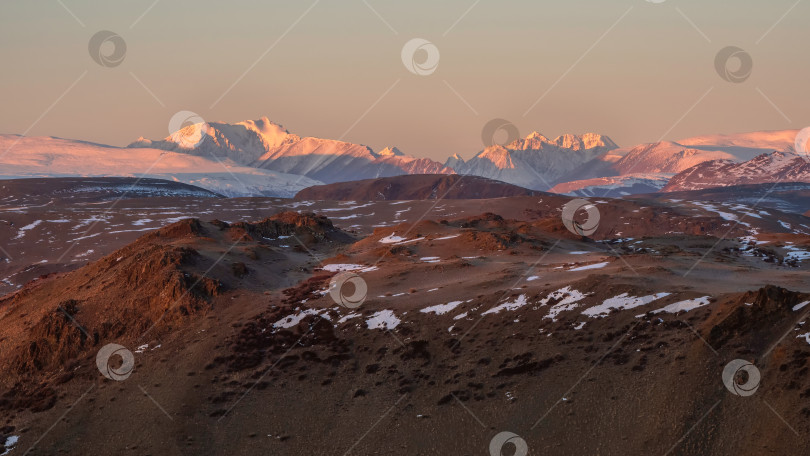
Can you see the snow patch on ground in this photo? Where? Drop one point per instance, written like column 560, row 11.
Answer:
column 621, row 302
column 10, row 442
column 724, row 215
column 684, row 306
column 27, row 228
column 85, row 254
column 292, row 320
column 384, row 319
column 353, row 216
column 349, row 208
column 409, row 241
column 800, row 305
column 300, row 203
column 348, row 317
column 794, row 253
column 392, row 295
column 441, row 309
column 569, row 299
column 339, row 267
column 392, row 239
column 590, row 266
column 519, row 302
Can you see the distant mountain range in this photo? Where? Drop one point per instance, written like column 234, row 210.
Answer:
column 262, row 158
column 265, row 145
column 537, row 162
column 593, row 165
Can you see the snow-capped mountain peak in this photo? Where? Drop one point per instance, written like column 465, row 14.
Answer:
column 268, row 145
column 455, row 161
column 272, row 134
column 584, row 142
column 536, row 135
column 499, row 156
column 587, row 141
column 390, row 152
column 535, row 161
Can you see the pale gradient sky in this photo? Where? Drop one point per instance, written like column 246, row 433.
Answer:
column 634, row 85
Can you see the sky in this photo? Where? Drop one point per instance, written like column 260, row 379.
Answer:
column 635, row 70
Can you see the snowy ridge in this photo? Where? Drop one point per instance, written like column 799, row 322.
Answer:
column 56, row 157
column 267, row 145
column 591, row 164
column 665, row 157
column 773, row 167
